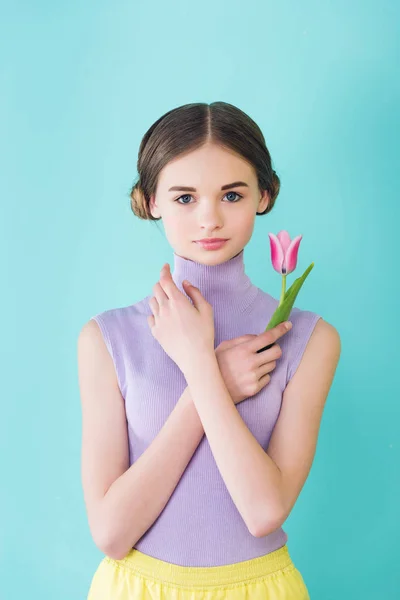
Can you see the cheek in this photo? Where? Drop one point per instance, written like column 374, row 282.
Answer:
column 246, row 219
column 174, row 226
column 245, row 225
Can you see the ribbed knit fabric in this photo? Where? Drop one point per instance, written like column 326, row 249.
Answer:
column 200, row 525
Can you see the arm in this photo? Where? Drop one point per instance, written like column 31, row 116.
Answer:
column 294, row 438
column 265, row 485
column 122, row 502
column 252, row 478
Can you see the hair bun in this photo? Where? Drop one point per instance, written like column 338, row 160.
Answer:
column 138, row 202
column 275, row 186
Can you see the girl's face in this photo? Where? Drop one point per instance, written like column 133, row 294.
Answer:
column 206, row 210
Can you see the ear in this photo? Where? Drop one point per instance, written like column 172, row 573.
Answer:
column 263, row 202
column 154, row 208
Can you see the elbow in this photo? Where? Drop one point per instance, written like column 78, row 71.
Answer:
column 109, row 543
column 262, row 528
column 116, row 552
column 111, row 535
column 101, row 540
column 111, row 546
column 107, row 536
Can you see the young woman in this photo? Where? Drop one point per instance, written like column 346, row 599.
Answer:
column 199, row 427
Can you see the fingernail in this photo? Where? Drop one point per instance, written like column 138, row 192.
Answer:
column 288, row 325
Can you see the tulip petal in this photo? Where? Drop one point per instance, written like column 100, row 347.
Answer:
column 291, row 254
column 277, row 254
column 284, row 238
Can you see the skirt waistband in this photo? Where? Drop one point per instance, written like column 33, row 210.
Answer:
column 151, row 567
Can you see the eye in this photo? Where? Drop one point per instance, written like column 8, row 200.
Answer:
column 190, row 196
column 236, row 194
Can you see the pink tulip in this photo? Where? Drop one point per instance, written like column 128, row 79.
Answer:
column 284, row 252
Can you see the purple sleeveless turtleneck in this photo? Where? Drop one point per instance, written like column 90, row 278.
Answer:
column 200, row 525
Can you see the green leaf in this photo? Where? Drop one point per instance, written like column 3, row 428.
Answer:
column 283, row 311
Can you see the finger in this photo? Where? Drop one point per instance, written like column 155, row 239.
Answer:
column 239, row 340
column 264, row 379
column 267, row 338
column 194, row 294
column 154, row 306
column 267, row 356
column 265, row 368
column 160, row 294
column 167, row 283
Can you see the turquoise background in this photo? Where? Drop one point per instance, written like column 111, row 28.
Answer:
column 81, row 83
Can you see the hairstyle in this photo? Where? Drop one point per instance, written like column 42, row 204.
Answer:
column 189, row 127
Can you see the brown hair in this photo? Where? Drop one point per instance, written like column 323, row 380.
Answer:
column 189, row 127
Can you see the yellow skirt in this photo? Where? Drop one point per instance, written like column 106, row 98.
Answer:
column 139, row 576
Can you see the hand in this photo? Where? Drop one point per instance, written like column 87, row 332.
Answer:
column 183, row 329
column 246, row 372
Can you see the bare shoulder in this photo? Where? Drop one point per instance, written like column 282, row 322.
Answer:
column 105, row 450
column 326, row 331
column 89, row 333
column 318, row 363
column 93, row 352
column 324, row 341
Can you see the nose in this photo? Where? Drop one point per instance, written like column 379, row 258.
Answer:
column 210, row 217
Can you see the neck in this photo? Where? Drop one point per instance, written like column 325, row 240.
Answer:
column 219, row 284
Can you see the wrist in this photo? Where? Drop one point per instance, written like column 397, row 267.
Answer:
column 199, row 362
column 190, row 414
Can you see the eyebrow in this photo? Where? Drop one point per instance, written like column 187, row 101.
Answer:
column 182, row 188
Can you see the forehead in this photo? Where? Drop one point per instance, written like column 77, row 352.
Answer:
column 210, row 165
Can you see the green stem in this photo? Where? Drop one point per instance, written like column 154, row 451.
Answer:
column 283, row 289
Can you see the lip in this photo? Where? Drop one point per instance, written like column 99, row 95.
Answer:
column 212, row 240
column 214, row 244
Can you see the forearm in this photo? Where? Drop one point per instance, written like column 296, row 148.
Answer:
column 251, row 476
column 135, row 500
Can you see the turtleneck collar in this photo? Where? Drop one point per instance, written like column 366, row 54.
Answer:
column 220, row 284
